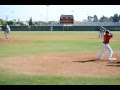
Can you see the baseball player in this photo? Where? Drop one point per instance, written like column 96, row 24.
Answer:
column 51, row 28
column 0, row 29
column 101, row 32
column 106, row 46
column 6, row 31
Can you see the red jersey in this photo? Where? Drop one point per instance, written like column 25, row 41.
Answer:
column 107, row 38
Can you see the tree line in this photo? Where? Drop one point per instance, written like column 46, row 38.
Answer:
column 114, row 18
column 21, row 23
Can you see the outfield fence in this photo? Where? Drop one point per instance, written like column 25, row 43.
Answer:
column 61, row 28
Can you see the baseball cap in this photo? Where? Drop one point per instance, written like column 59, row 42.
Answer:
column 107, row 31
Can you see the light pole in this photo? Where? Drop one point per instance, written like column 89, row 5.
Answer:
column 47, row 13
column 72, row 11
column 73, row 14
column 7, row 18
column 13, row 16
column 40, row 20
column 88, row 17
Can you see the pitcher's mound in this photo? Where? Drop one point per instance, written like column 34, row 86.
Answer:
column 114, row 59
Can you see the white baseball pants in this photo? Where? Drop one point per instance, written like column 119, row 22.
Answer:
column 106, row 47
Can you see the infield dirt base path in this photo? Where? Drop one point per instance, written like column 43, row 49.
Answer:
column 63, row 64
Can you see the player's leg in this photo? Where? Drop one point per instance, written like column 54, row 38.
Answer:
column 110, row 52
column 0, row 29
column 101, row 52
column 98, row 34
column 101, row 35
column 6, row 34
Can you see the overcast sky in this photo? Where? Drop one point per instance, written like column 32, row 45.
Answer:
column 53, row 12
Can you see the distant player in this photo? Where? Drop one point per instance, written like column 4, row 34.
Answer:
column 6, row 31
column 51, row 28
column 0, row 29
column 101, row 32
column 106, row 46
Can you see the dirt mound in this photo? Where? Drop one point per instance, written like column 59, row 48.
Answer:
column 67, row 64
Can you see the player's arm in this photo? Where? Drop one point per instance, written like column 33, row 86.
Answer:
column 111, row 35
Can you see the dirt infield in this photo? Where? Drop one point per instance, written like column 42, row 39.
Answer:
column 13, row 41
column 67, row 64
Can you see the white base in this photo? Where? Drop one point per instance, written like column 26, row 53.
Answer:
column 114, row 58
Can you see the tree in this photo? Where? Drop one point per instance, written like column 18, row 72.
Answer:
column 104, row 19
column 111, row 19
column 119, row 18
column 95, row 18
column 10, row 22
column 2, row 22
column 115, row 18
column 90, row 18
column 30, row 21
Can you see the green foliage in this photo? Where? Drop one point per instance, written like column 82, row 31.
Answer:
column 95, row 18
column 30, row 21
column 10, row 22
column 116, row 18
column 104, row 19
column 2, row 22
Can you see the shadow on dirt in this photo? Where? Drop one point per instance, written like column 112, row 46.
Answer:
column 114, row 65
column 93, row 60
column 115, row 62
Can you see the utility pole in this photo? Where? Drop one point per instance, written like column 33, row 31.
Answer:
column 47, row 14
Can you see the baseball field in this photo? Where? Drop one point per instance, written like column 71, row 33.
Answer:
column 57, row 58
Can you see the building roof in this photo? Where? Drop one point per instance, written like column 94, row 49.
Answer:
column 66, row 16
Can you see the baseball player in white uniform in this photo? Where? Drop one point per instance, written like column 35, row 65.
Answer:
column 6, row 31
column 0, row 29
column 101, row 32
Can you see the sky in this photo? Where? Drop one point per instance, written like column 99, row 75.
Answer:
column 53, row 12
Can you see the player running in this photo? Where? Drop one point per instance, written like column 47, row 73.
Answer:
column 6, row 31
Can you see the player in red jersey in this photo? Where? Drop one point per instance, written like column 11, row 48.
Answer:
column 106, row 46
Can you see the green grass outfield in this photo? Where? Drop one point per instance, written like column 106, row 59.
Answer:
column 42, row 42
